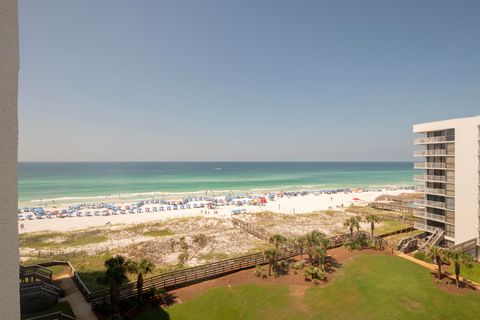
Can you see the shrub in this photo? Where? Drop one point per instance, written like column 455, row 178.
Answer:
column 358, row 242
column 313, row 273
column 422, row 256
column 200, row 239
column 298, row 265
column 260, row 272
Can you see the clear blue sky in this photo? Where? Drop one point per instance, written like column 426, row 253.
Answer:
column 241, row 80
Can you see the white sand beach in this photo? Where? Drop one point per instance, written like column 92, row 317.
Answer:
column 285, row 205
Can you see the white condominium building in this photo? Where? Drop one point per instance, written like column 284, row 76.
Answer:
column 448, row 153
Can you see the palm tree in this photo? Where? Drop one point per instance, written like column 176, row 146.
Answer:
column 141, row 268
column 372, row 219
column 114, row 276
column 313, row 240
column 351, row 223
column 359, row 220
column 436, row 253
column 458, row 258
column 300, row 242
column 271, row 255
column 277, row 240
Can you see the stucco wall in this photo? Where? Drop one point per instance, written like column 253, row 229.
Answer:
column 9, row 296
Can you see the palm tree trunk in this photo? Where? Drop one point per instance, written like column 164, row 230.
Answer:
column 114, row 294
column 439, row 264
column 140, row 287
column 457, row 274
column 372, row 226
column 270, row 268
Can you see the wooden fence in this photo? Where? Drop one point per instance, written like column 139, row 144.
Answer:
column 391, row 207
column 34, row 273
column 401, row 231
column 470, row 247
column 175, row 279
column 53, row 316
column 384, row 216
column 250, row 228
column 72, row 273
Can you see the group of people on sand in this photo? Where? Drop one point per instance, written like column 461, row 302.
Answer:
column 208, row 212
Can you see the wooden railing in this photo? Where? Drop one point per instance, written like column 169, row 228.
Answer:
column 53, row 316
column 469, row 246
column 183, row 277
column 391, row 207
column 393, row 233
column 250, row 228
column 72, row 273
column 34, row 273
column 39, row 289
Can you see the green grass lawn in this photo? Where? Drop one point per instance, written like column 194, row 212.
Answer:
column 56, row 270
column 469, row 273
column 389, row 226
column 367, row 287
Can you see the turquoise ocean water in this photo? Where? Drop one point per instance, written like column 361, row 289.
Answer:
column 53, row 180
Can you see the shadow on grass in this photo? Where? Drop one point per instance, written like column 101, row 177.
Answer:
column 90, row 280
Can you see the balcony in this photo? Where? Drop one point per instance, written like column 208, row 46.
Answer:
column 436, row 204
column 427, row 177
column 419, row 203
column 435, row 191
column 427, row 140
column 423, row 226
column 428, row 215
column 436, row 152
column 420, row 188
column 430, row 165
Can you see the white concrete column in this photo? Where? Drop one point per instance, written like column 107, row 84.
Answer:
column 9, row 61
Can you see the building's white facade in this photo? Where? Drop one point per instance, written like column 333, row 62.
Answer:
column 448, row 152
column 9, row 288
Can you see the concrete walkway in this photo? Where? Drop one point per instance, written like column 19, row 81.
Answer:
column 434, row 268
column 79, row 305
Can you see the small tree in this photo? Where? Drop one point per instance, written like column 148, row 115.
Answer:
column 352, row 223
column 458, row 259
column 372, row 219
column 277, row 240
column 437, row 254
column 141, row 268
column 114, row 276
column 300, row 243
column 271, row 255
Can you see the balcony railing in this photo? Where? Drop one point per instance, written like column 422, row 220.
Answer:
column 436, row 152
column 430, row 165
column 419, row 203
column 419, row 177
column 437, row 204
column 426, row 140
column 428, row 215
column 424, row 226
column 435, row 191
column 428, row 177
